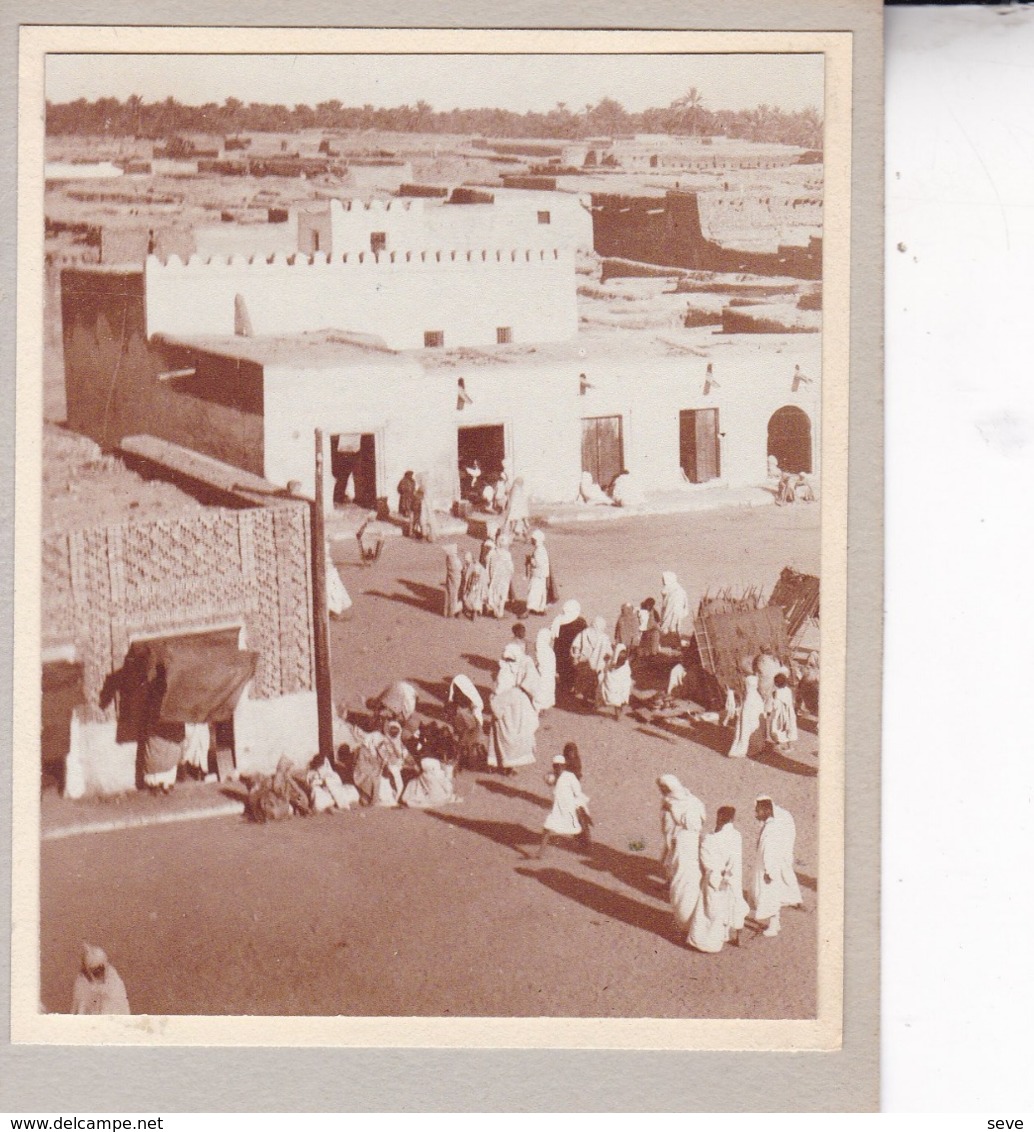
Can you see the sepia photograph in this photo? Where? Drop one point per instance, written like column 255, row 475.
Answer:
column 442, row 503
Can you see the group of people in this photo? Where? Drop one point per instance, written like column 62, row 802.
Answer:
column 704, row 869
column 624, row 491
column 766, row 715
column 486, row 585
column 416, row 507
column 791, row 487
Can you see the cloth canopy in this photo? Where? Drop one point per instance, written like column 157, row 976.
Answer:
column 205, row 675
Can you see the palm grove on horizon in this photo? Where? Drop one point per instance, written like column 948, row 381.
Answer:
column 684, row 116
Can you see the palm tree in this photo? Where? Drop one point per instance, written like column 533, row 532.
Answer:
column 691, row 103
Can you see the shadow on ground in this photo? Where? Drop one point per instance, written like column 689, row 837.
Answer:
column 596, row 898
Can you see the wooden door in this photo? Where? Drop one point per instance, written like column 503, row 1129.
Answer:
column 603, row 454
column 699, row 444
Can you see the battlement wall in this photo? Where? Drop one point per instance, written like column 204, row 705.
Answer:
column 513, row 220
column 466, row 295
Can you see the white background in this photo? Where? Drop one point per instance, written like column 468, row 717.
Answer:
column 958, row 755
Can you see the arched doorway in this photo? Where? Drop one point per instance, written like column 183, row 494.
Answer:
column 789, row 439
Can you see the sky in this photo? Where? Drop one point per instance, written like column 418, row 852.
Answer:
column 512, row 82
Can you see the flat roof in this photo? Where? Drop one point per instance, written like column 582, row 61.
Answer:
column 313, row 350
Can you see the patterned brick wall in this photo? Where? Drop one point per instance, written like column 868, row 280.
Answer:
column 105, row 586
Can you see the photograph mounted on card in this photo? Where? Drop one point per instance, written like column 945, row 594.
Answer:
column 432, row 585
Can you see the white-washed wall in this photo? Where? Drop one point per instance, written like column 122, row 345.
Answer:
column 397, row 296
column 414, row 416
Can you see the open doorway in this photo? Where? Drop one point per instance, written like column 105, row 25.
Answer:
column 480, row 452
column 789, row 439
column 353, row 464
column 699, row 451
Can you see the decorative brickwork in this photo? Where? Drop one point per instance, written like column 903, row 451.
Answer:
column 105, row 586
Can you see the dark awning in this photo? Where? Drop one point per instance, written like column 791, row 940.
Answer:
column 205, row 674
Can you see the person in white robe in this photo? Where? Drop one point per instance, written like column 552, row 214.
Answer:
column 537, row 567
column 545, row 666
column 569, row 815
column 511, row 738
column 196, row 742
column 676, row 803
column 432, row 787
column 627, row 492
column 766, row 666
column 463, row 693
column 98, row 988
column 511, row 668
column 338, row 600
column 782, row 717
column 615, row 682
column 590, row 651
column 589, row 491
column 517, row 514
column 721, row 910
column 775, row 881
column 674, row 607
column 499, row 563
column 687, row 817
column 751, row 731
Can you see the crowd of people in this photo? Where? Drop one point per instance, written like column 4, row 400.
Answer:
column 391, row 757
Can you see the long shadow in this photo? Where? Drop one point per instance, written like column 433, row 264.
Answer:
column 485, row 663
column 655, row 734
column 634, row 869
column 769, row 757
column 657, row 921
column 402, row 599
column 432, row 598
column 808, row 882
column 708, row 735
column 494, row 787
column 506, row 833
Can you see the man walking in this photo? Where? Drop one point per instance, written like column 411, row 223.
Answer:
column 775, row 882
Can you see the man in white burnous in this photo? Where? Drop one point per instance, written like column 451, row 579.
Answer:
column 775, row 882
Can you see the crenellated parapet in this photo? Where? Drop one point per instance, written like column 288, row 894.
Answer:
column 426, row 256
column 469, row 295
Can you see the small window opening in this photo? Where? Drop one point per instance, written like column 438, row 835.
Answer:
column 434, row 338
column 378, row 241
column 503, row 335
column 544, row 218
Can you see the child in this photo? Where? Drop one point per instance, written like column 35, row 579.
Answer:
column 569, row 816
column 782, row 719
column 649, row 628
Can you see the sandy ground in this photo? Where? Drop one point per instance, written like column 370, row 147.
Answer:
column 395, row 912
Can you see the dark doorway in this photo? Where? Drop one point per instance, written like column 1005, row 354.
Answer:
column 353, row 456
column 603, row 450
column 484, row 447
column 789, row 439
column 699, row 449
column 62, row 694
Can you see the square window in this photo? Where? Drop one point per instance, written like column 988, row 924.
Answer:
column 434, row 338
column 378, row 241
column 503, row 334
column 543, row 217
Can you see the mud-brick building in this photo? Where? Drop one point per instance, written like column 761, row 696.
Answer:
column 230, row 577
column 668, row 230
